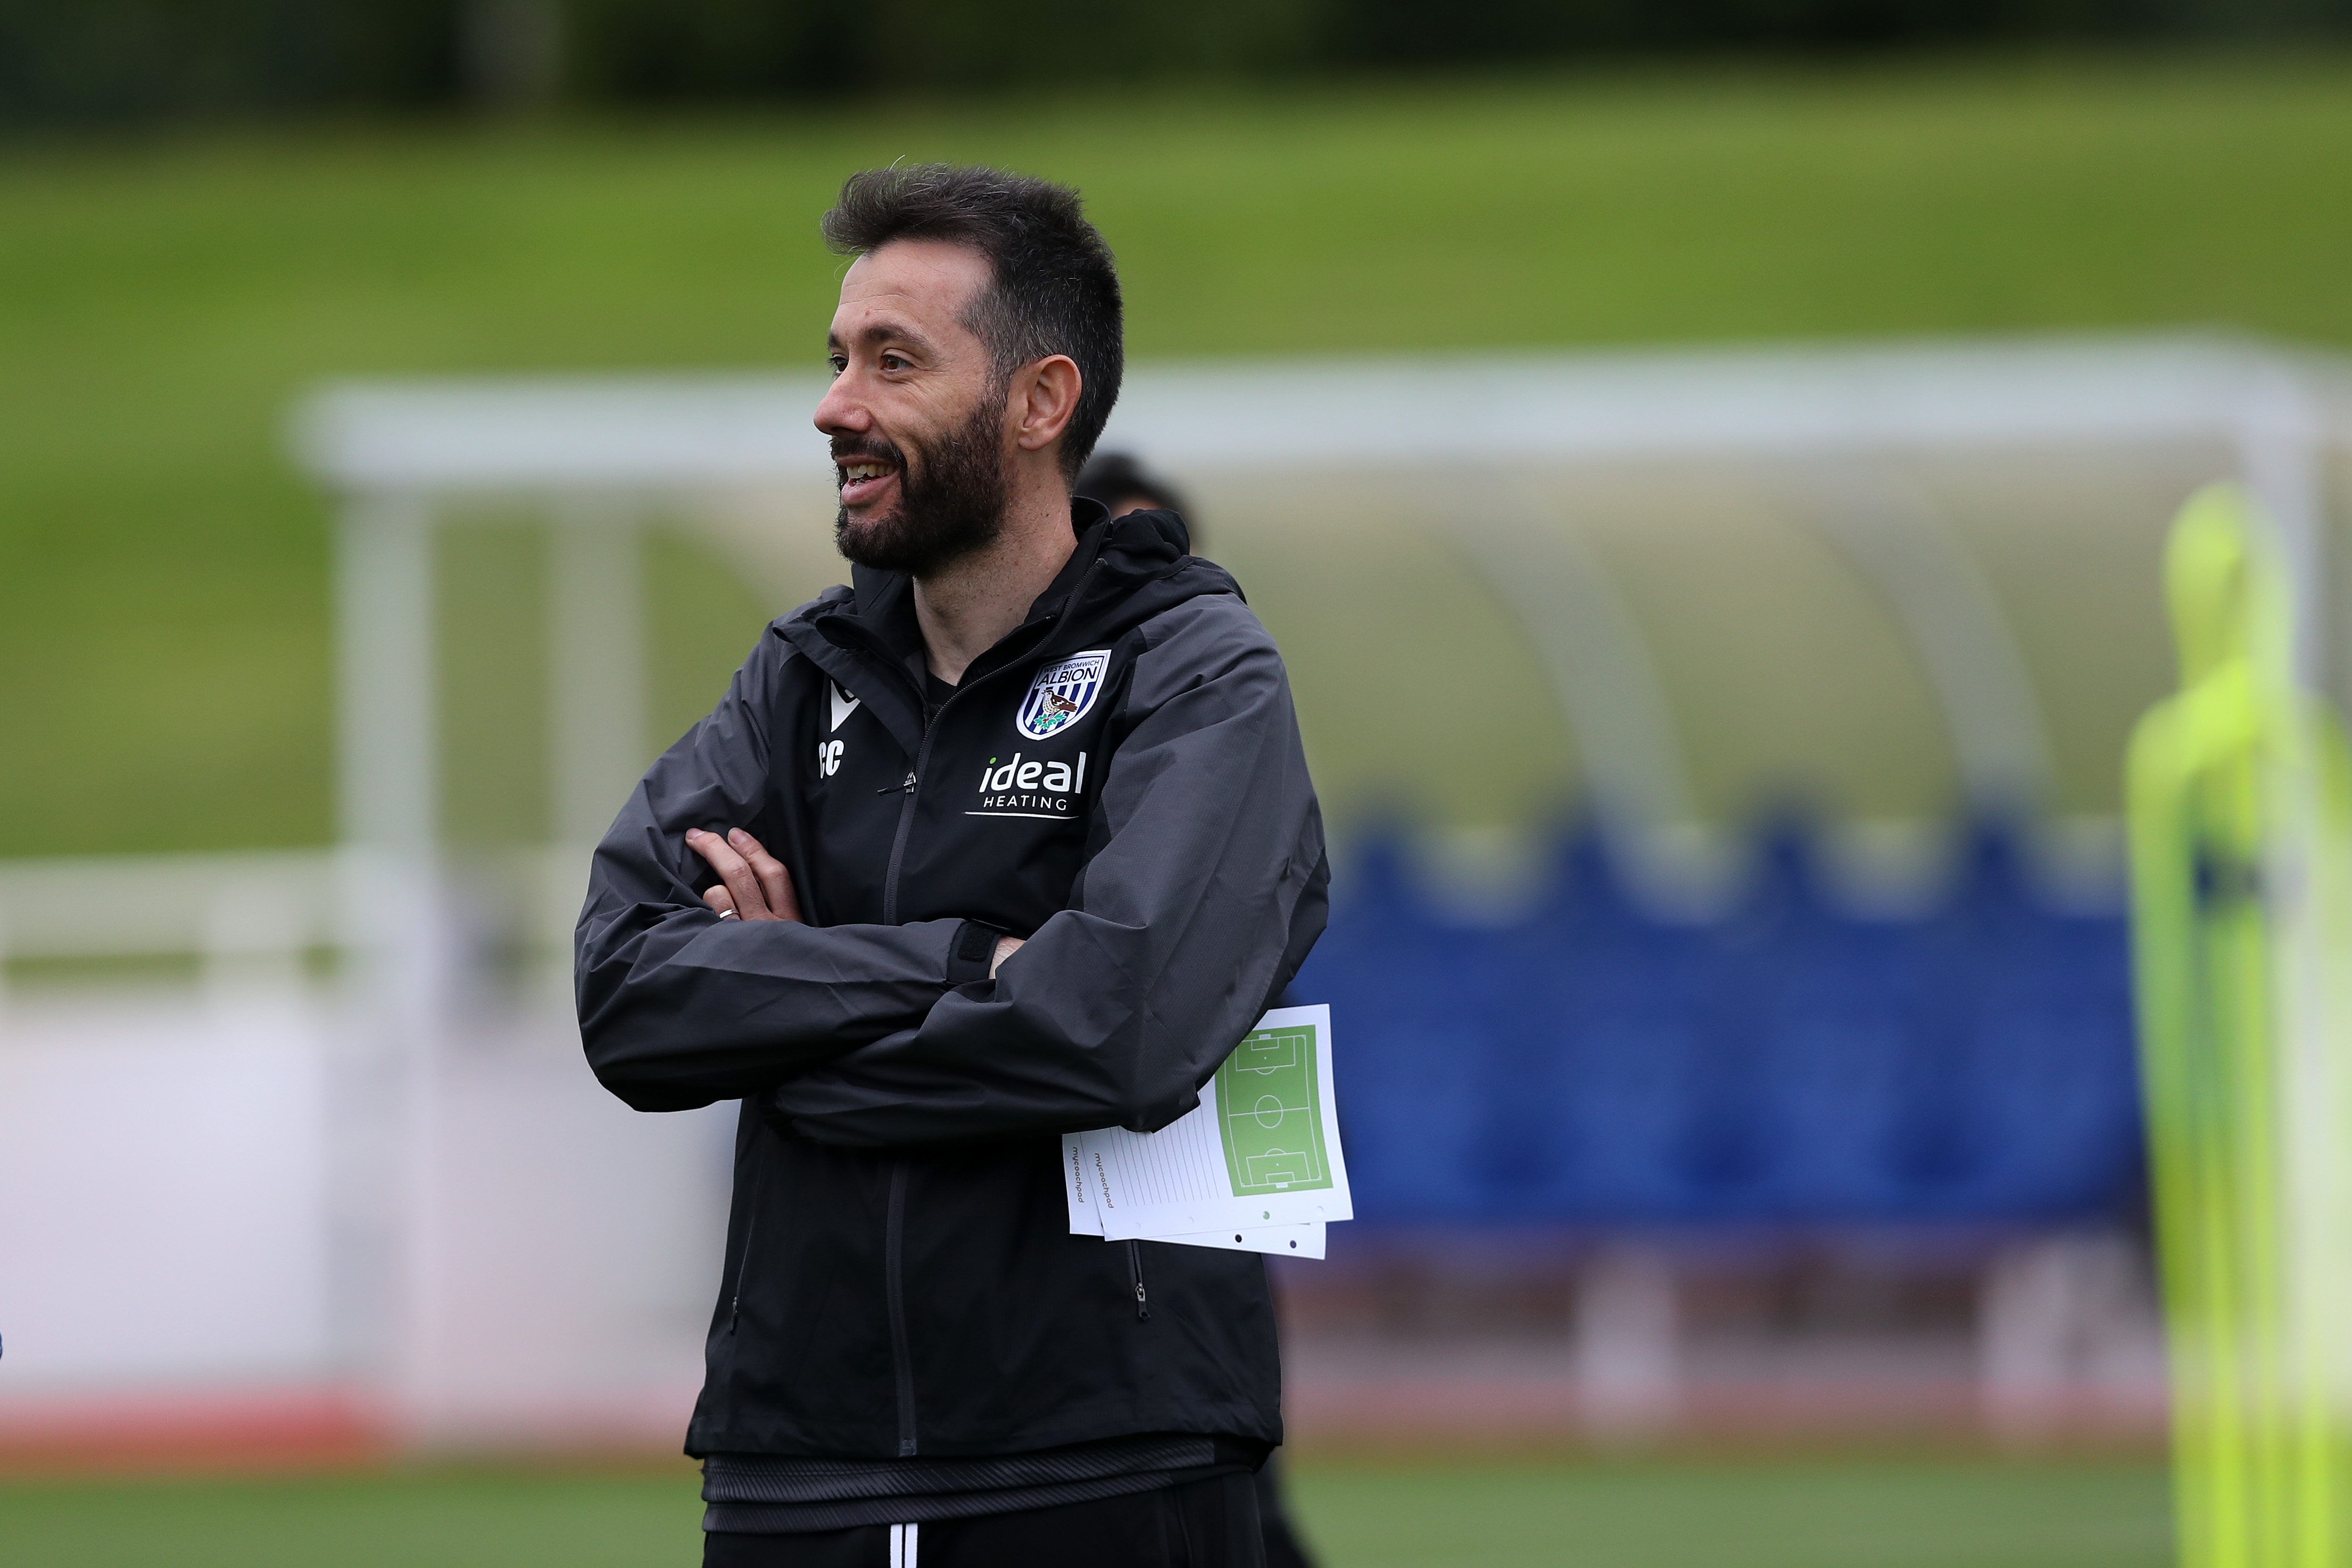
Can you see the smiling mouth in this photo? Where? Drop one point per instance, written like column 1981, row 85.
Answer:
column 863, row 480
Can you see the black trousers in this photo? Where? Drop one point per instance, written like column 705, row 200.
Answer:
column 1207, row 1524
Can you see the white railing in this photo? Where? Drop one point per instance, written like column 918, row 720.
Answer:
column 234, row 911
column 273, row 1170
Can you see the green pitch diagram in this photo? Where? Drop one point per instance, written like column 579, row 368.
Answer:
column 1270, row 1108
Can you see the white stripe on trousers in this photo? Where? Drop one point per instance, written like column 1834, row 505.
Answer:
column 902, row 1545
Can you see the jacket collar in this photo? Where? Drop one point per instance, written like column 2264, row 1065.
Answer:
column 1122, row 570
column 883, row 602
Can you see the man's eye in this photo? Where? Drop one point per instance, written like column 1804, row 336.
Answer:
column 893, row 363
column 838, row 363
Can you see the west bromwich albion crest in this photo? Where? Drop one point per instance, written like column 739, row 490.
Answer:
column 1061, row 695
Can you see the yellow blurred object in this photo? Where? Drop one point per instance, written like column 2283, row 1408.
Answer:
column 2239, row 797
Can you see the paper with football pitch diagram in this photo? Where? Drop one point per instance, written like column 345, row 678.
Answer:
column 1255, row 1166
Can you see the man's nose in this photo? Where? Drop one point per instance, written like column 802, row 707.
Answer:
column 840, row 409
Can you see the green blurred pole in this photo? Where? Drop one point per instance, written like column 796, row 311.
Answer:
column 2240, row 820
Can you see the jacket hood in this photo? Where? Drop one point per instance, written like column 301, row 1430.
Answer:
column 1124, row 570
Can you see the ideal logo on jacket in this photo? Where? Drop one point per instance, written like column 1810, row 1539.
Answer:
column 1028, row 787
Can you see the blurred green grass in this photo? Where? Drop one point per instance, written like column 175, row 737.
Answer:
column 163, row 601
column 1949, row 1513
column 1512, row 1513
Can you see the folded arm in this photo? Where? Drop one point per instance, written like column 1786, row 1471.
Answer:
column 680, row 1007
column 1206, row 890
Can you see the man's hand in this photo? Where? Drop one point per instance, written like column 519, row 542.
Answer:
column 1005, row 947
column 755, row 883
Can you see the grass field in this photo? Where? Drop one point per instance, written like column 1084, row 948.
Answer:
column 164, row 632
column 1506, row 1514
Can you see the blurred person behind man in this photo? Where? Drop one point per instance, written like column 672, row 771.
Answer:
column 1123, row 483
column 1012, row 836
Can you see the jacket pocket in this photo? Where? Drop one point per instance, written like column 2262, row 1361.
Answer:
column 1134, row 1276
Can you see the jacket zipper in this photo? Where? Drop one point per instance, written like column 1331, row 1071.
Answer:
column 905, row 826
column 894, row 1230
column 894, row 1226
column 1135, row 1273
column 893, row 1250
column 751, row 1235
column 742, row 1266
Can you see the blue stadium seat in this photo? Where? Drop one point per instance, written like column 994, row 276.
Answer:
column 1791, row 1062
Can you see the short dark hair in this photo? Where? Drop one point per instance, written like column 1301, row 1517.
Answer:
column 1115, row 475
column 1056, row 289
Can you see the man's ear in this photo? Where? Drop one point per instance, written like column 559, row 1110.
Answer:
column 1044, row 397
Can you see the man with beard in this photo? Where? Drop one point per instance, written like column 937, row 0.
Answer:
column 1011, row 837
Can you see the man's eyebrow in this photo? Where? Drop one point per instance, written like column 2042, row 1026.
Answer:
column 884, row 330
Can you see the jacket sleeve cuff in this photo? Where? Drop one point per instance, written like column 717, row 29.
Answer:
column 971, row 952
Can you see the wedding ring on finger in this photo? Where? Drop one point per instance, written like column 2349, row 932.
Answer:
column 729, row 914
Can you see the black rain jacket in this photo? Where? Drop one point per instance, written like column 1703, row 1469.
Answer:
column 1120, row 782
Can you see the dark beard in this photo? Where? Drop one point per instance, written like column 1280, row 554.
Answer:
column 950, row 502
